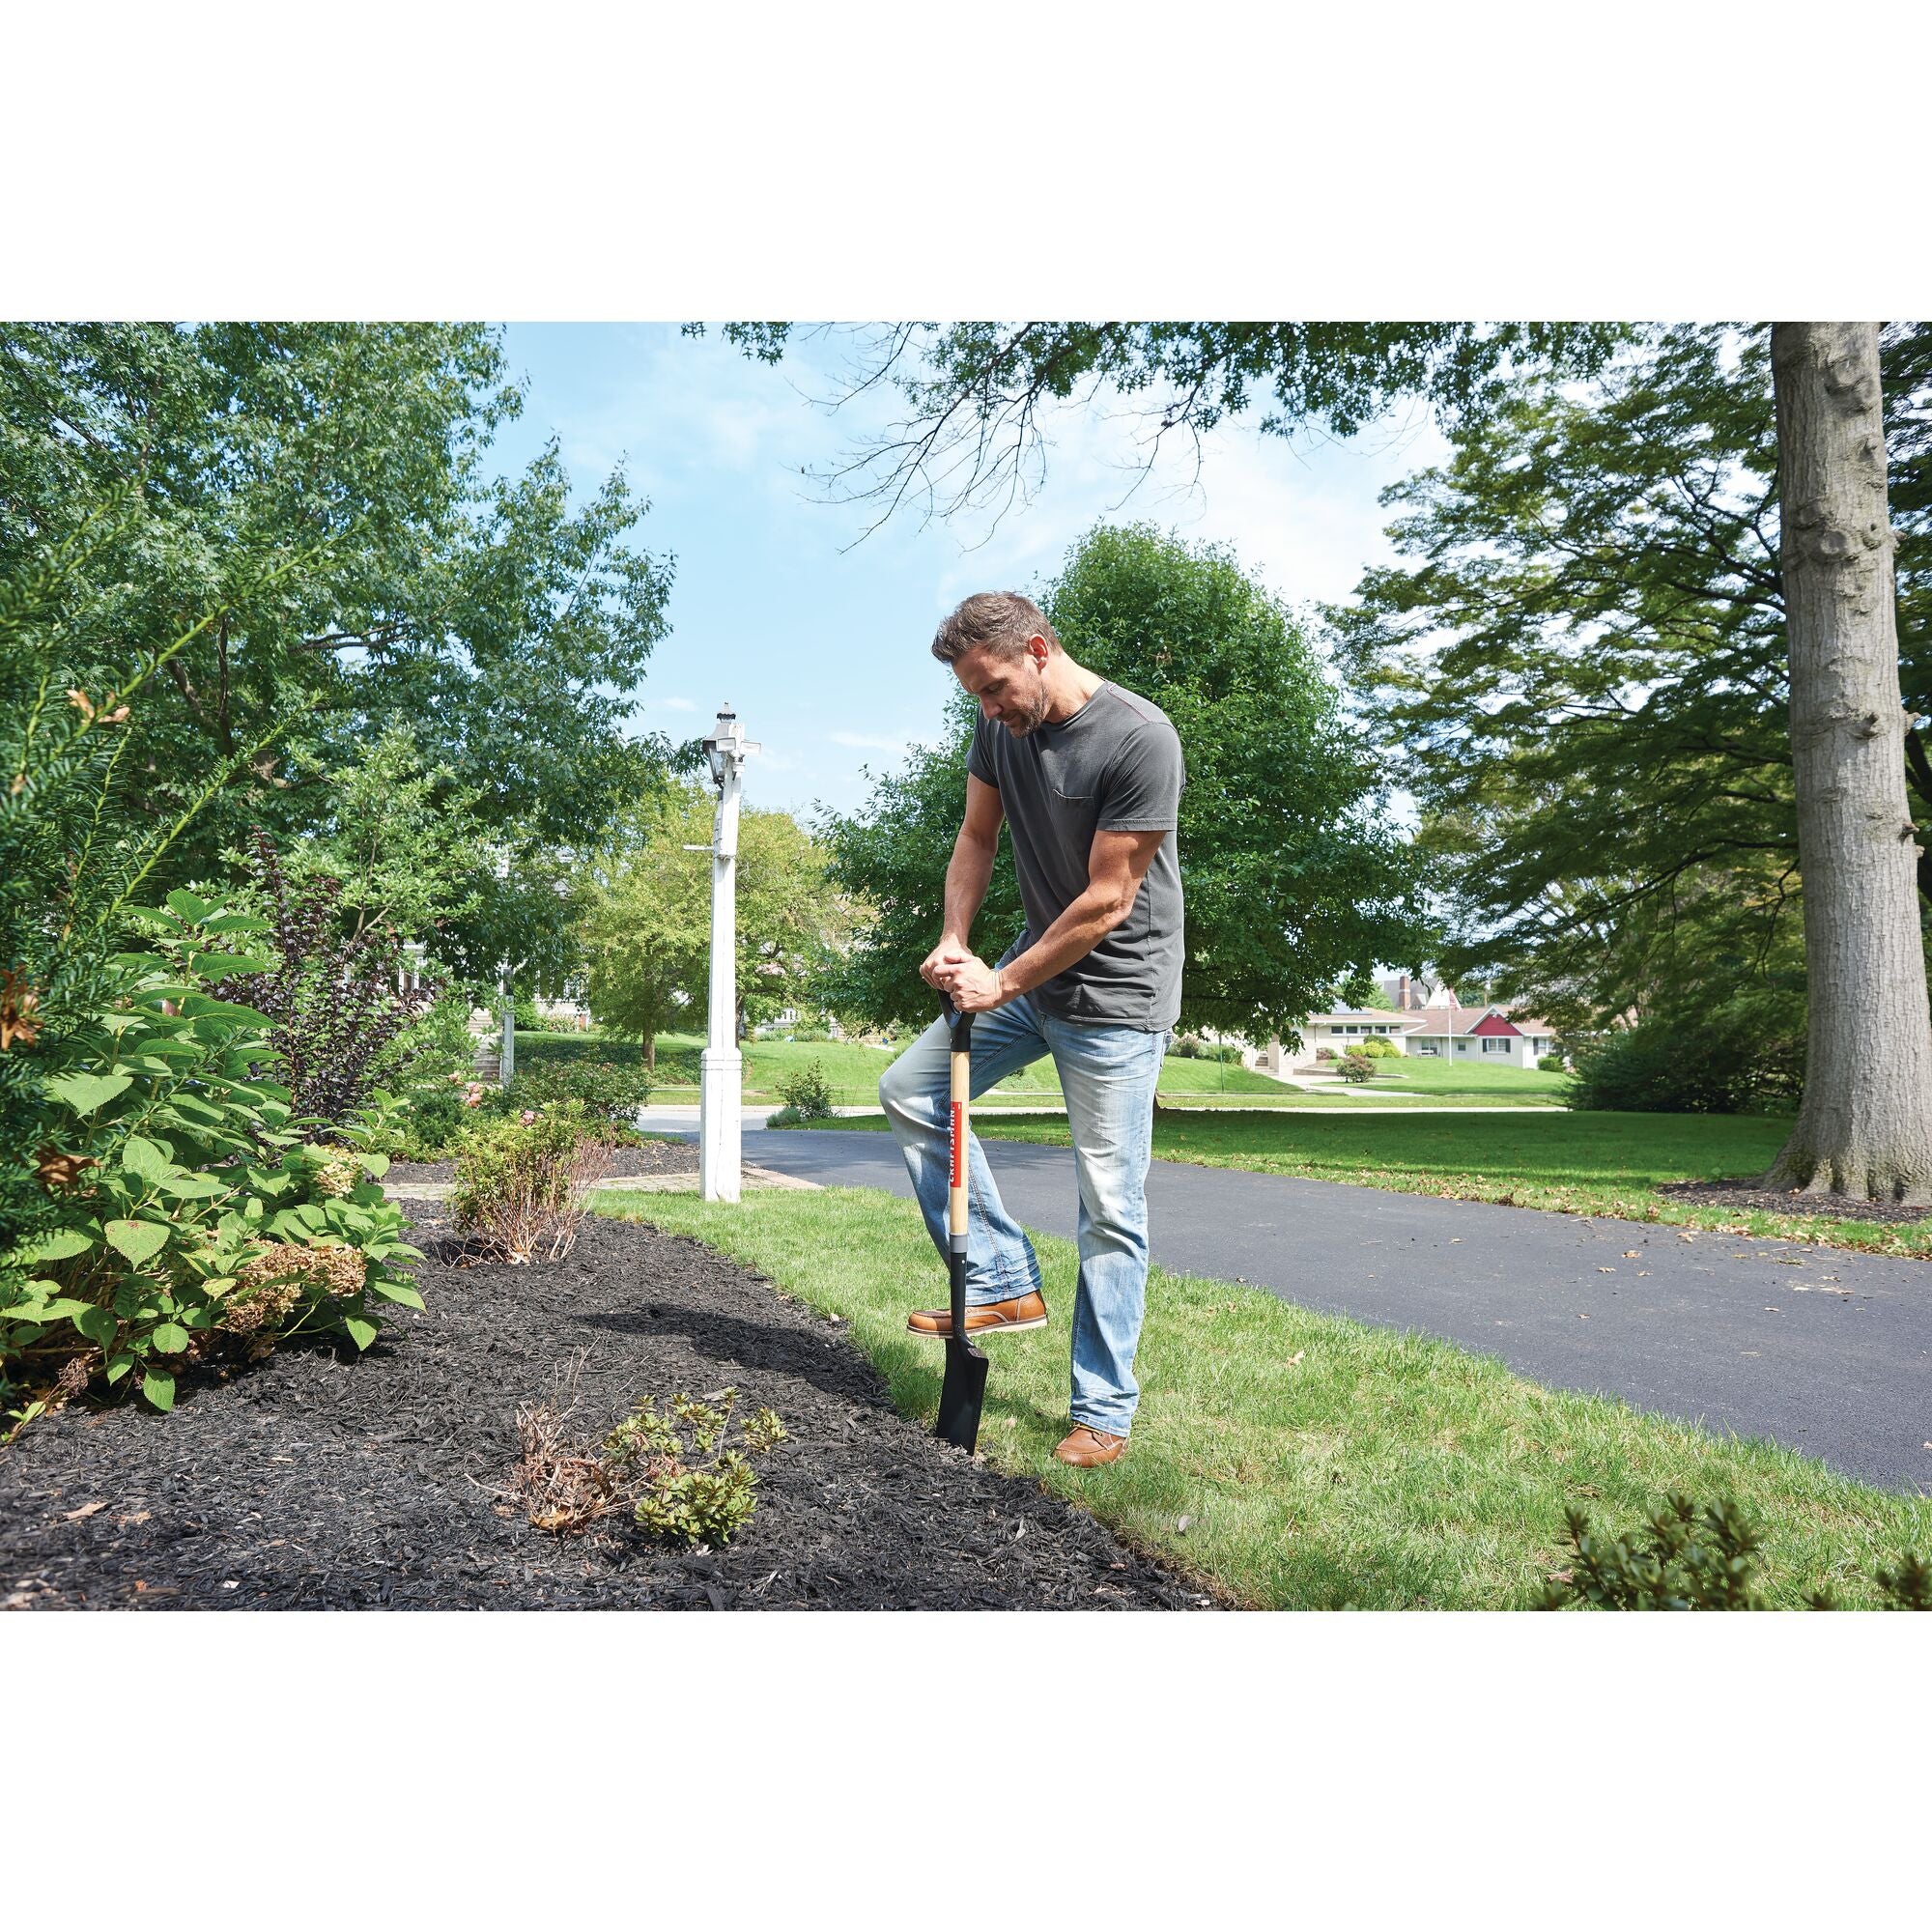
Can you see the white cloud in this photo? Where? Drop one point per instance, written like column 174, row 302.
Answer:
column 672, row 704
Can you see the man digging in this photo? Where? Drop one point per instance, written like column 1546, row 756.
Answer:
column 1087, row 779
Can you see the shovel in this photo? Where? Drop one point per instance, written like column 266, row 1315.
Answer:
column 964, row 1388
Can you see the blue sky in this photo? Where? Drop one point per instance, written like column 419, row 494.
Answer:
column 821, row 640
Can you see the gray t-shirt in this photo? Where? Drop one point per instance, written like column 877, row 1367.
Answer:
column 1114, row 766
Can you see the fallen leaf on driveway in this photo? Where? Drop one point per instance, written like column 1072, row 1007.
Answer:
column 85, row 1510
column 1604, row 1270
column 1681, row 1236
column 1631, row 1255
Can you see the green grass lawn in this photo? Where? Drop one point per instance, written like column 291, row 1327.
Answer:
column 1449, row 1079
column 852, row 1072
column 1584, row 1163
column 1318, row 1461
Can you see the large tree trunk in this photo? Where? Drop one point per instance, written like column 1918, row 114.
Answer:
column 1865, row 1127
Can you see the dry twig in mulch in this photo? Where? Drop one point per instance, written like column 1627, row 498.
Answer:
column 562, row 1489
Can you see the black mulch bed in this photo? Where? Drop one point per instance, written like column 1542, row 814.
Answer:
column 626, row 1163
column 1769, row 1201
column 310, row 1481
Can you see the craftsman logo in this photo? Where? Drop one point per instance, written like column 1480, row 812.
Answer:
column 959, row 1144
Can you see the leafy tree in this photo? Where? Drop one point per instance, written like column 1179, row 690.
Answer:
column 403, row 842
column 1292, row 874
column 1578, row 678
column 488, row 615
column 891, row 855
column 644, row 920
column 1583, row 672
column 408, row 850
column 1365, row 993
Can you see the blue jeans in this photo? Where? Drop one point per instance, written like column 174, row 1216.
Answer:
column 1108, row 1074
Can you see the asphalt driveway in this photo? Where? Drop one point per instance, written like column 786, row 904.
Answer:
column 1825, row 1351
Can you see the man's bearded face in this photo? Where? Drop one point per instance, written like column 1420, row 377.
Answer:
column 1012, row 691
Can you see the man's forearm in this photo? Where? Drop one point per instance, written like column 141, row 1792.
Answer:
column 1086, row 921
column 967, row 875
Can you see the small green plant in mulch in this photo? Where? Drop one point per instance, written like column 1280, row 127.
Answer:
column 696, row 1492
column 1692, row 1558
column 672, row 1465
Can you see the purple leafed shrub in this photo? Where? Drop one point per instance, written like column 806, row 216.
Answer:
column 334, row 999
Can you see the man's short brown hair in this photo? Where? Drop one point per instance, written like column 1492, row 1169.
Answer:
column 1000, row 621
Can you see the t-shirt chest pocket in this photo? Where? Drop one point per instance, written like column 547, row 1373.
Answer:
column 1075, row 797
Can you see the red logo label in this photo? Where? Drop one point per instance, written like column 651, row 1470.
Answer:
column 958, row 1144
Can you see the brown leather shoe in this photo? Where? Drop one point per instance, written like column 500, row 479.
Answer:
column 1087, row 1447
column 1021, row 1311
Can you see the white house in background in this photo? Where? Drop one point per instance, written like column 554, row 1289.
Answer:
column 1436, row 1027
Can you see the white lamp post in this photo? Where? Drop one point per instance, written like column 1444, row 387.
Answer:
column 723, row 1086
column 507, row 1064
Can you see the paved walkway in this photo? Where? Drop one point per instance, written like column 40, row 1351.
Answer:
column 1825, row 1351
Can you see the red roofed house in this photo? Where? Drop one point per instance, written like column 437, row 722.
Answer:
column 1439, row 1027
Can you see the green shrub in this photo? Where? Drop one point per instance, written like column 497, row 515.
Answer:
column 332, row 1000
column 1192, row 1046
column 546, row 1048
column 1732, row 1059
column 811, row 1032
column 1379, row 1046
column 174, row 1171
column 1356, row 1066
column 806, row 1092
column 434, row 1119
column 1324, row 1053
column 1688, row 1558
column 432, row 1047
column 524, row 1010
column 606, row 1090
column 87, row 821
column 520, row 1181
column 785, row 1117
